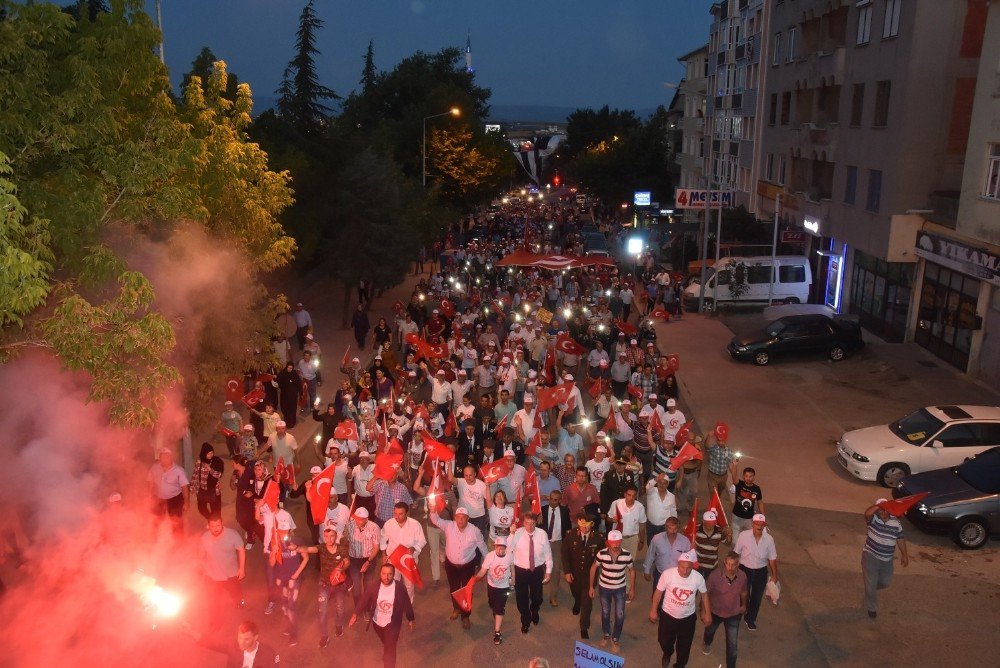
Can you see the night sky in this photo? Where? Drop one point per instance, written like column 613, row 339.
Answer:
column 567, row 53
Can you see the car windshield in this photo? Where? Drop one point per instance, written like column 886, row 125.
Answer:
column 982, row 471
column 916, row 427
column 772, row 330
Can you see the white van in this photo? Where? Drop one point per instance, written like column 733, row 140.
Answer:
column 790, row 282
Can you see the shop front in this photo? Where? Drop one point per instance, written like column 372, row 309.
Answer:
column 880, row 295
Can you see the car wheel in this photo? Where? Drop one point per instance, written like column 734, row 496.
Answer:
column 761, row 358
column 890, row 474
column 709, row 306
column 792, row 300
column 837, row 353
column 970, row 533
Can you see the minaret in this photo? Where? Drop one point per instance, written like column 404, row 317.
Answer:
column 468, row 53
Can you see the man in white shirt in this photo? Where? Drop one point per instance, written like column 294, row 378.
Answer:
column 757, row 557
column 532, row 568
column 652, row 406
column 600, row 464
column 524, row 420
column 460, row 387
column 461, row 540
column 631, row 515
column 440, row 391
column 337, row 515
column 406, row 531
column 386, row 604
column 282, row 444
column 507, row 376
column 169, row 485
column 660, row 504
column 673, row 420
column 680, row 589
column 360, row 476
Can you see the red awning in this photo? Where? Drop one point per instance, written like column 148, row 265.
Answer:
column 553, row 262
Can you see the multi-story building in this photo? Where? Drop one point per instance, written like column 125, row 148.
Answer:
column 691, row 92
column 956, row 302
column 867, row 110
column 735, row 73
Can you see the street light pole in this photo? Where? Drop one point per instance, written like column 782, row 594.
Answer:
column 454, row 111
column 774, row 247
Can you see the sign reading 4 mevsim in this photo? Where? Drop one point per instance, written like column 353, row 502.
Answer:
column 690, row 198
column 585, row 656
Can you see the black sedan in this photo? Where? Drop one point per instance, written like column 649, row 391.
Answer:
column 964, row 500
column 799, row 335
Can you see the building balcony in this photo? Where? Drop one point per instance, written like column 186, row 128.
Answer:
column 809, row 140
column 821, row 68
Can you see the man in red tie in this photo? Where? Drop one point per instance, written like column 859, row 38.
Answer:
column 532, row 568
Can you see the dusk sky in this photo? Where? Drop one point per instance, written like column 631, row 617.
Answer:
column 551, row 52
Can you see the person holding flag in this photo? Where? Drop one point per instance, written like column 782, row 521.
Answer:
column 707, row 540
column 885, row 535
column 676, row 599
column 286, row 571
column 385, row 606
column 363, row 539
column 333, row 566
column 406, row 532
column 461, row 561
column 498, row 569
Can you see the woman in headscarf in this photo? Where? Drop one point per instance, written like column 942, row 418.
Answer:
column 205, row 482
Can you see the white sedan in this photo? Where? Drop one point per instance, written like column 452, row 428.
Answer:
column 930, row 438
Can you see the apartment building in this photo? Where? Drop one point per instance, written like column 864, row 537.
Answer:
column 735, row 73
column 867, row 106
column 691, row 92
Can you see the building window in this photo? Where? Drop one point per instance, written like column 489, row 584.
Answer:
column 786, row 107
column 769, row 167
column 781, row 170
column 776, row 58
column 882, row 89
column 857, row 104
column 890, row 26
column 874, row 190
column 851, row 186
column 992, row 189
column 792, row 33
column 772, row 113
column 864, row 21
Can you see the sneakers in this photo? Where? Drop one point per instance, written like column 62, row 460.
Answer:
column 604, row 641
column 270, row 608
column 339, row 631
column 751, row 625
column 706, row 649
column 497, row 638
column 324, row 641
column 615, row 647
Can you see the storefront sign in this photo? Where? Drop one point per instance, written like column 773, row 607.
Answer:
column 794, row 237
column 689, row 198
column 585, row 656
column 811, row 225
column 969, row 260
column 642, row 198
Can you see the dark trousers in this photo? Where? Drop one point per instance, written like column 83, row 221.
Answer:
column 361, row 581
column 651, row 531
column 300, row 336
column 732, row 625
column 756, row 582
column 580, row 588
column 231, row 588
column 677, row 633
column 209, row 504
column 458, row 577
column 389, row 635
column 253, row 528
column 172, row 509
column 528, row 590
column 233, row 446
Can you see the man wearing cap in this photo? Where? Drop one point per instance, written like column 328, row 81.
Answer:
column 628, row 515
column 635, row 355
column 506, row 376
column 169, row 487
column 579, row 551
column 440, row 391
column 613, row 488
column 620, row 346
column 522, row 367
column 599, row 466
column 727, row 590
column 885, row 534
column 678, row 593
column 525, row 420
column 616, row 585
column 574, row 399
column 232, row 422
column 498, row 569
column 673, row 420
column 282, row 444
column 532, row 568
column 757, row 557
column 461, row 388
column 406, row 531
column 303, row 323
column 461, row 540
column 594, row 359
column 620, row 372
column 707, row 540
column 513, row 482
column 721, row 463
column 387, row 495
column 354, row 371
column 653, row 406
column 664, row 550
column 363, row 538
column 570, row 440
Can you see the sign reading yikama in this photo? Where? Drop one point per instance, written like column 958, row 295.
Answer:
column 970, row 260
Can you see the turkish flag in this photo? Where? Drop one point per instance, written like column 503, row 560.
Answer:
column 548, row 397
column 493, row 471
column 448, row 308
column 533, row 444
column 610, row 424
column 337, row 576
column 435, row 496
column 346, row 431
column 722, row 431
column 634, row 391
column 898, row 507
column 685, row 454
column 272, row 494
column 285, row 473
column 226, row 432
column 624, row 327
column 660, row 313
column 436, row 351
column 596, row 388
column 406, row 564
column 566, row 344
column 318, row 494
column 451, row 425
column 386, row 465
column 720, row 514
column 234, row 388
column 619, row 524
column 304, row 394
column 673, row 362
column 253, row 397
column 413, row 339
column 656, row 423
column 683, row 434
column 501, row 426
column 550, row 365
column 534, row 493
column 691, row 530
column 516, row 522
column 463, row 597
column 421, row 412
column 346, row 357
column 394, row 447
column 437, row 450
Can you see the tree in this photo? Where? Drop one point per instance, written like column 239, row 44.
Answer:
column 301, row 94
column 87, row 9
column 464, row 169
column 587, row 129
column 369, row 73
column 202, row 66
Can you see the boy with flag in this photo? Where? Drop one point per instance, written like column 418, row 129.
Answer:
column 498, row 569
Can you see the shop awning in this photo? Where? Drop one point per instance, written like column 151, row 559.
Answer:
column 553, row 262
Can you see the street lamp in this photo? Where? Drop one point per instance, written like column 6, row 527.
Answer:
column 454, row 111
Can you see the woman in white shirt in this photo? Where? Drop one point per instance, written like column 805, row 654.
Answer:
column 501, row 517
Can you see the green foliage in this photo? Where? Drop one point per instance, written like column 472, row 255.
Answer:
column 301, row 95
column 465, row 168
column 202, row 66
column 738, row 285
column 587, row 129
column 369, row 75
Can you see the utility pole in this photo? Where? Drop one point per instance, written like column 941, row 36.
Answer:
column 774, row 247
column 159, row 24
column 704, row 247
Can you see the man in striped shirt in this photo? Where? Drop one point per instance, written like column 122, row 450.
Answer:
column 362, row 538
column 706, row 542
column 885, row 534
column 617, row 578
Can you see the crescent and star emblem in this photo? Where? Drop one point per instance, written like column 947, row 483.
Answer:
column 407, row 562
column 319, row 486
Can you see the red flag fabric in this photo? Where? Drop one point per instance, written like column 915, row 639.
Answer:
column 596, row 388
column 275, row 556
column 272, row 494
column 234, row 388
column 437, row 450
column 337, row 576
column 435, row 495
column 720, row 514
column 406, row 564
column 534, row 493
column 285, row 473
column 253, row 397
column 673, row 362
column 660, row 313
column 625, row 327
column 656, row 423
column 685, row 454
column 493, row 471
column 346, row 431
column 548, row 397
column 346, row 358
column 898, row 507
column 610, row 424
column 394, row 447
column 619, row 524
column 304, row 394
column 722, row 431
column 566, row 344
column 691, row 530
column 319, row 494
column 451, row 425
column 498, row 430
column 463, row 597
column 448, row 308
column 420, row 411
column 550, row 365
column 683, row 434
column 226, row 432
column 386, row 465
column 571, row 403
column 634, row 390
column 516, row 522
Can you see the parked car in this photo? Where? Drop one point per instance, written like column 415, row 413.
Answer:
column 934, row 437
column 964, row 500
column 813, row 334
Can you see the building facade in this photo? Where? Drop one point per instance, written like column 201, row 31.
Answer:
column 691, row 93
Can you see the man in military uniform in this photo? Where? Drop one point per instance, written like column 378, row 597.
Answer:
column 579, row 550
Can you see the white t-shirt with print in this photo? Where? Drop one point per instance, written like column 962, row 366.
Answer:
column 680, row 598
column 383, row 604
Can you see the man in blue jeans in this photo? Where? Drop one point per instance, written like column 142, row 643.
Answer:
column 617, row 578
column 727, row 589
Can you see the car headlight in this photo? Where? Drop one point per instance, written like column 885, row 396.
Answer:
column 924, row 510
column 860, row 458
